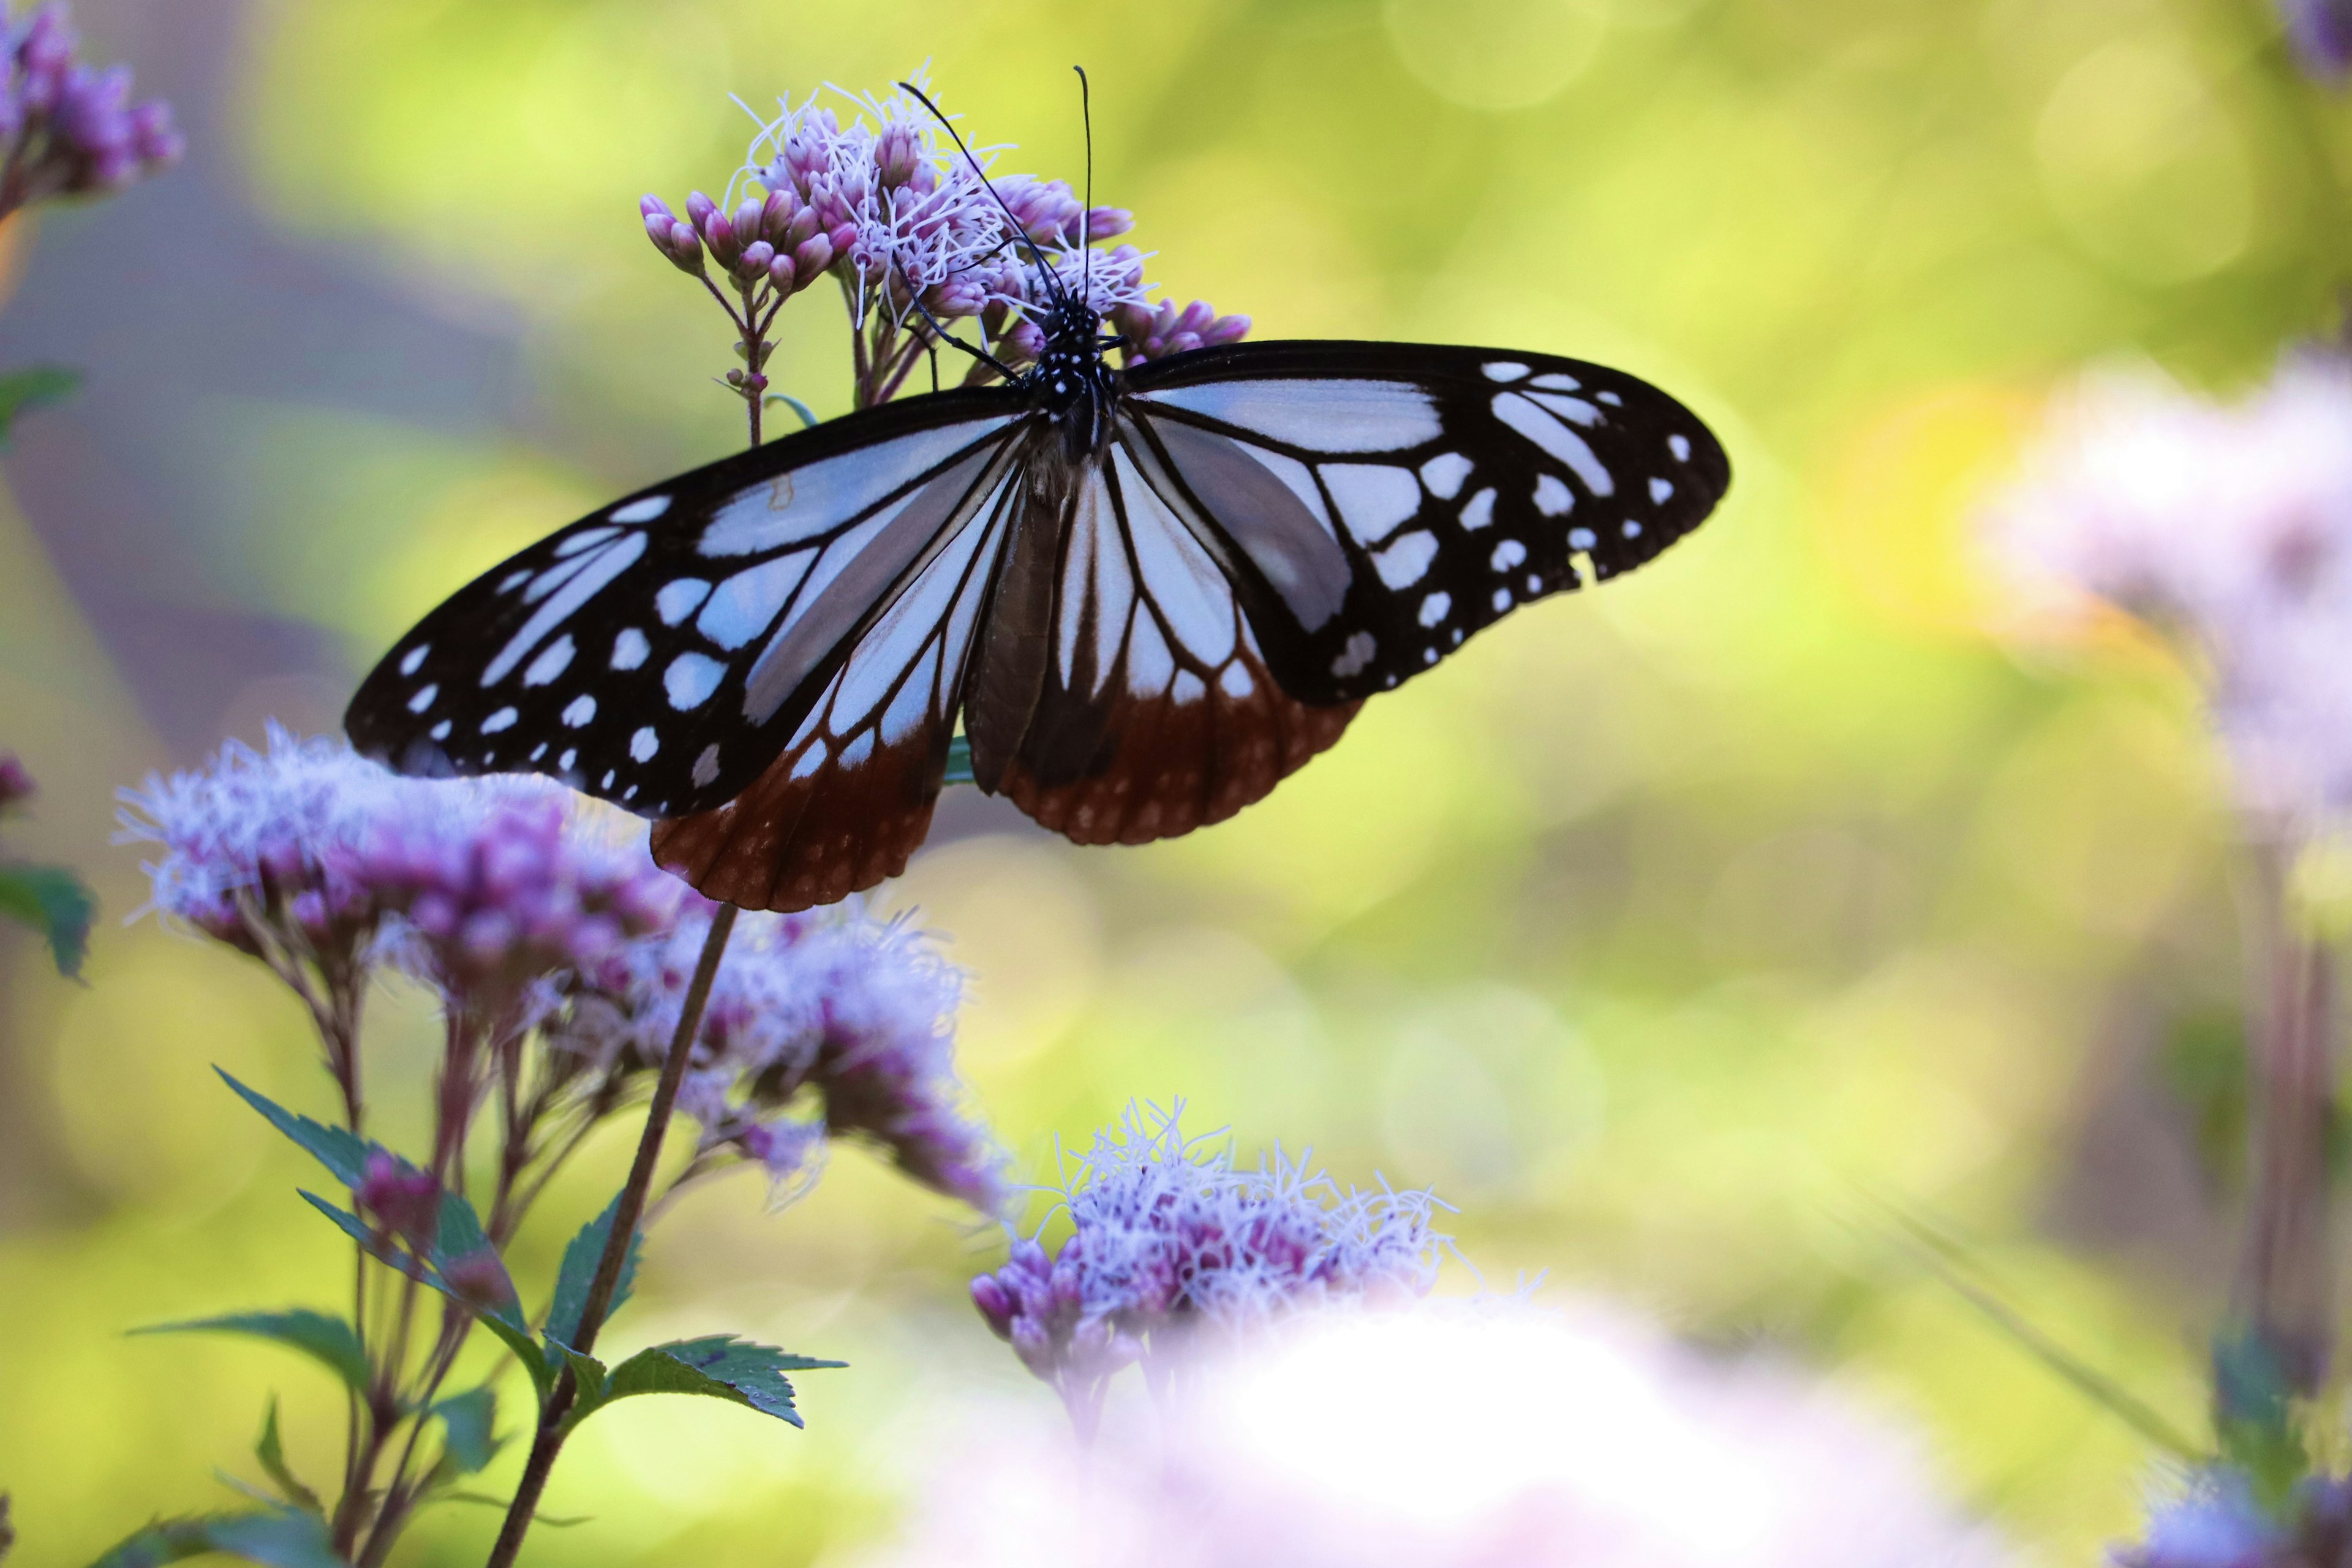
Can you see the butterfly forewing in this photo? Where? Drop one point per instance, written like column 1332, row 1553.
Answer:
column 1375, row 504
column 659, row 652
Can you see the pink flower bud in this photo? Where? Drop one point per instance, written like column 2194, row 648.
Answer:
column 994, row 1304
column 650, row 205
column 403, row 1200
column 753, row 262
column 748, row 218
column 685, row 249
column 698, row 208
column 776, row 215
column 814, row 255
column 480, row 1281
column 780, row 273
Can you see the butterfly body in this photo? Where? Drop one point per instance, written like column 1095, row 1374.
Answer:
column 1150, row 595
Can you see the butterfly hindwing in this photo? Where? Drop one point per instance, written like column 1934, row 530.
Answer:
column 660, row 652
column 1156, row 713
column 1375, row 504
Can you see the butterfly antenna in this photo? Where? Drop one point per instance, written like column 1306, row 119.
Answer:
column 1086, row 213
column 1035, row 255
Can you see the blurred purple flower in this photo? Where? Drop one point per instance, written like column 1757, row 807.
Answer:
column 1168, row 1240
column 2231, row 528
column 1157, row 332
column 2321, row 32
column 16, row 785
column 70, row 128
column 818, row 1025
column 1448, row 1436
column 403, row 1200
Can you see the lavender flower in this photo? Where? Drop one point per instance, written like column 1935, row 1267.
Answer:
column 70, row 128
column 1168, row 1240
column 2215, row 1521
column 2321, row 32
column 1449, row 1437
column 2231, row 528
column 1155, row 332
column 819, row 1026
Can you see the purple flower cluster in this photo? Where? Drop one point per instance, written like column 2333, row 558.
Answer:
column 70, row 128
column 514, row 895
column 2217, row 1521
column 1157, row 332
column 818, row 1025
column 1169, row 1240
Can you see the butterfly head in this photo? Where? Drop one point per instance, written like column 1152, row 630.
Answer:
column 1072, row 380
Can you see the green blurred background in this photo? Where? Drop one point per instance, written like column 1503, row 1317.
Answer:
column 1672, row 931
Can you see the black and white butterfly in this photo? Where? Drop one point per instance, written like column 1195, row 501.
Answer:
column 1149, row 594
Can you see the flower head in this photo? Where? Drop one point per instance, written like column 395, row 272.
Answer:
column 1169, row 1240
column 2230, row 526
column 818, row 1025
column 72, row 128
column 2321, row 31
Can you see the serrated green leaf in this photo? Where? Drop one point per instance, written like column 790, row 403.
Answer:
column 718, row 1366
column 343, row 1153
column 579, row 1272
column 52, row 902
column 272, row 1455
column 277, row 1538
column 330, row 1340
column 468, row 1442
column 36, row 386
column 505, row 1324
column 591, row 1383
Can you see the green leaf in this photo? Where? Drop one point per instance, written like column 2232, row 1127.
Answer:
column 52, row 902
column 959, row 761
column 468, row 1440
column 505, row 1324
column 37, row 386
column 808, row 414
column 579, row 1272
column 344, row 1154
column 272, row 1455
column 718, row 1366
column 277, row 1538
column 330, row 1340
column 591, row 1383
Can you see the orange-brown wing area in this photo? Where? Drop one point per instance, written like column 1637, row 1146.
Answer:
column 850, row 797
column 1157, row 714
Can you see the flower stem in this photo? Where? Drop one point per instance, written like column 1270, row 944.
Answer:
column 550, row 1438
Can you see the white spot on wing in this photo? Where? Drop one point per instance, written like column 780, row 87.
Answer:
column 1355, row 655
column 858, row 750
column 1610, row 398
column 677, row 598
column 823, row 496
column 587, row 539
column 630, row 648
column 644, row 745
column 594, row 571
column 740, row 607
column 811, row 760
column 1444, row 473
column 1502, row 599
column 568, row 761
column 513, row 580
column 414, row 657
column 1373, row 498
column 424, row 698
column 1679, row 445
column 706, row 766
column 641, row 510
column 504, row 718
column 578, row 710
column 1555, row 439
column 1323, row 415
column 690, row 679
column 1659, row 491
column 440, row 732
column 1552, row 497
column 552, row 660
column 1188, row 688
column 1575, row 410
column 1633, row 530
column 1583, row 539
column 1149, row 665
column 1504, row 370
column 1478, row 511
column 1404, row 562
column 1508, row 552
column 1236, row 681
column 1434, row 609
column 1550, row 380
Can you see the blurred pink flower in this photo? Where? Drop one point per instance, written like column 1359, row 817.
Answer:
column 1456, row 1436
column 70, row 128
column 2230, row 526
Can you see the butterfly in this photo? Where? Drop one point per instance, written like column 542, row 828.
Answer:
column 1149, row 593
